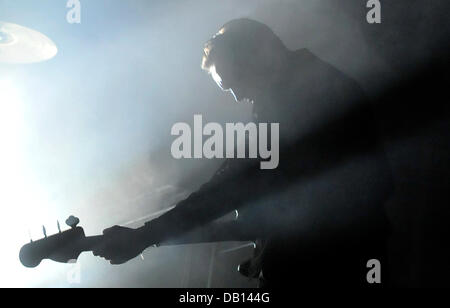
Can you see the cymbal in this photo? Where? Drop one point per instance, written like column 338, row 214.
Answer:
column 19, row 44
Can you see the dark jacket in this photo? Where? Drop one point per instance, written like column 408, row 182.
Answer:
column 331, row 182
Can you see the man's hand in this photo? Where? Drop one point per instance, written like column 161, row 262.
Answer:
column 121, row 244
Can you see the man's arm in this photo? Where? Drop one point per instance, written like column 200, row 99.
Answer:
column 232, row 186
column 224, row 193
column 241, row 181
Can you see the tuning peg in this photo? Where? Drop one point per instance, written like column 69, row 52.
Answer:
column 72, row 222
column 44, row 231
column 58, row 225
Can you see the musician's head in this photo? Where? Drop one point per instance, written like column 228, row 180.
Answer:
column 244, row 57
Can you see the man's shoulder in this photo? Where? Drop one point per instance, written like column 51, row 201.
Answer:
column 314, row 76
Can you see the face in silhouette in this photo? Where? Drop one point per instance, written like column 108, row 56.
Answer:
column 247, row 59
column 233, row 80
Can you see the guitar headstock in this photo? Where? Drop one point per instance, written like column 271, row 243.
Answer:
column 61, row 247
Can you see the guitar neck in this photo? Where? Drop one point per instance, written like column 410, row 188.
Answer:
column 90, row 242
column 212, row 233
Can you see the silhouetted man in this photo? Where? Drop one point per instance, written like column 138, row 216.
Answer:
column 319, row 216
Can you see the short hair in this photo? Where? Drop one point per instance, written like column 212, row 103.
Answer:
column 243, row 43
